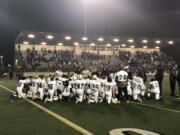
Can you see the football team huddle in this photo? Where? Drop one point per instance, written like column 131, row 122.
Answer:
column 88, row 88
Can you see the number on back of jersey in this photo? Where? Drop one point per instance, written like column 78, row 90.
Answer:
column 50, row 86
column 40, row 85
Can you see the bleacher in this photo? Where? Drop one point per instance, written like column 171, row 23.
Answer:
column 37, row 52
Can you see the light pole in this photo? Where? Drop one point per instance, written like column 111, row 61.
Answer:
column 1, row 66
column 85, row 17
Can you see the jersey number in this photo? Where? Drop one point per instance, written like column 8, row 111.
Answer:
column 123, row 77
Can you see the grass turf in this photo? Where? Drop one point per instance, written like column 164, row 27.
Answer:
column 21, row 118
column 24, row 119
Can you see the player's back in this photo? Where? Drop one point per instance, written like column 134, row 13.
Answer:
column 121, row 76
column 41, row 83
column 154, row 85
column 21, row 84
column 109, row 86
column 51, row 85
column 34, row 83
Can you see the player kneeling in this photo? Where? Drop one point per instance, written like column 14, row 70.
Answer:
column 66, row 92
column 80, row 89
column 33, row 86
column 41, row 86
column 51, row 89
column 154, row 89
column 138, row 88
column 129, row 88
column 109, row 90
column 20, row 87
column 95, row 87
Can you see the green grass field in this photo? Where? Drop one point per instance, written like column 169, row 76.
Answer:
column 22, row 118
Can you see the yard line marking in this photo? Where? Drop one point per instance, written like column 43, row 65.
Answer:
column 157, row 107
column 53, row 114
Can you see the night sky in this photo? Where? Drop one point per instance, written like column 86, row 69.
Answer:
column 146, row 18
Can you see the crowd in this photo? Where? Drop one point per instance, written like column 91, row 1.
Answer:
column 65, row 60
column 148, row 61
column 47, row 59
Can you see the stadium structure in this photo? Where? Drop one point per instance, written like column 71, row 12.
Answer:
column 69, row 52
column 87, row 84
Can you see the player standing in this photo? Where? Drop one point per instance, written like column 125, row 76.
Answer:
column 122, row 83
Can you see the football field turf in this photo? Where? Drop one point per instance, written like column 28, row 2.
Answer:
column 20, row 117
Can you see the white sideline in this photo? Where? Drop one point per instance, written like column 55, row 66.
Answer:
column 157, row 107
column 58, row 117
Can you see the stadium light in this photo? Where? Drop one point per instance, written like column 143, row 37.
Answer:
column 116, row 40
column 60, row 44
column 100, row 39
column 157, row 41
column 50, row 37
column 157, row 47
column 123, row 45
column 43, row 43
column 145, row 47
column 92, row 44
column 76, row 43
column 68, row 38
column 170, row 42
column 144, row 41
column 31, row 36
column 108, row 45
column 25, row 42
column 130, row 40
column 84, row 38
column 132, row 46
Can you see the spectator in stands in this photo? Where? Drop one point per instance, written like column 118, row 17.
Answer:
column 53, row 59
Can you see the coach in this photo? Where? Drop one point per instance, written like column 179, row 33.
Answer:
column 178, row 77
column 159, row 77
column 172, row 80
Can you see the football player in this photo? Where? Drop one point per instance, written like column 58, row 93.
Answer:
column 66, row 92
column 109, row 89
column 34, row 87
column 138, row 88
column 122, row 83
column 154, row 89
column 95, row 87
column 19, row 89
column 103, row 82
column 129, row 88
column 87, row 89
column 59, row 90
column 41, row 86
column 80, row 89
column 51, row 89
